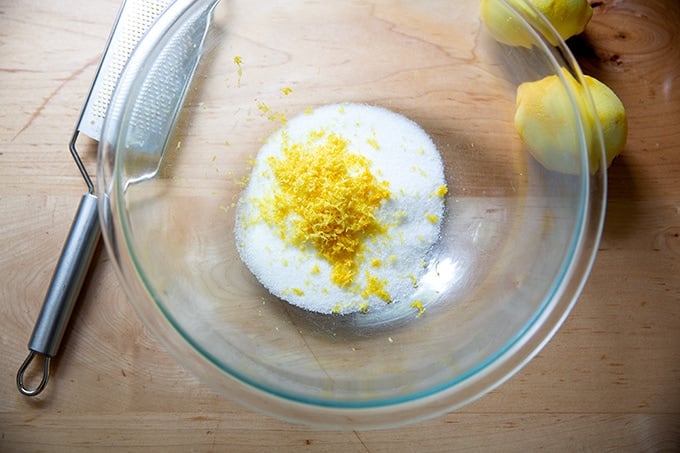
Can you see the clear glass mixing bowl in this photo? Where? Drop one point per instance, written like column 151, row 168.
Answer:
column 517, row 240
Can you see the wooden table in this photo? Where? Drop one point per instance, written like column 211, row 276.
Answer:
column 609, row 380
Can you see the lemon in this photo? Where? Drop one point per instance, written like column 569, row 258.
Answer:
column 546, row 122
column 612, row 116
column 569, row 17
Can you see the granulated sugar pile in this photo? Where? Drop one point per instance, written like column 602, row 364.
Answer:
column 341, row 209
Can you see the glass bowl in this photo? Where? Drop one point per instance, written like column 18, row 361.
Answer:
column 516, row 242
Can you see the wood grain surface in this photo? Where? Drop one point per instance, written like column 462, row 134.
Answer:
column 608, row 381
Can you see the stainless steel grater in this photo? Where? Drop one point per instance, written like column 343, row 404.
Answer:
column 153, row 122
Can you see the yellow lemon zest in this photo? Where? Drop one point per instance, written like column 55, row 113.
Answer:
column 238, row 61
column 331, row 205
column 418, row 305
column 373, row 142
column 376, row 286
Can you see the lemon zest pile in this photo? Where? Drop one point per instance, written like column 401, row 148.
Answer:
column 331, row 205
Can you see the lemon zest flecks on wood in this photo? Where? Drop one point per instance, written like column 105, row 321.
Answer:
column 238, row 61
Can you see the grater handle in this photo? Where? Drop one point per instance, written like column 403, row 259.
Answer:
column 63, row 291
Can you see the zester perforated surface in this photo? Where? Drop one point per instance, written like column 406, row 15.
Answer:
column 135, row 18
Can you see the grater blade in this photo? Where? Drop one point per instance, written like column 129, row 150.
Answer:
column 133, row 21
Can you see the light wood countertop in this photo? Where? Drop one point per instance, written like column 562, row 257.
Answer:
column 608, row 380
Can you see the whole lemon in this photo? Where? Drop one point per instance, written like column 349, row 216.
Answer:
column 569, row 17
column 546, row 121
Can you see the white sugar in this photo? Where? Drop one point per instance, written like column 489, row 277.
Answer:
column 401, row 154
